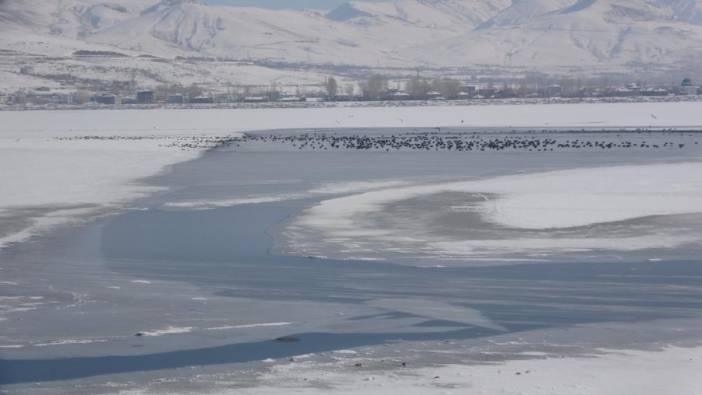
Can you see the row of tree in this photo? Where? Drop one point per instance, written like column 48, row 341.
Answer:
column 377, row 87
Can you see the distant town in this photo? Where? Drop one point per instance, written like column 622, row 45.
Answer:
column 374, row 88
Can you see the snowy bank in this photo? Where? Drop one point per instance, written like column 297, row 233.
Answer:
column 549, row 201
column 629, row 372
column 610, row 373
column 50, row 182
column 49, row 176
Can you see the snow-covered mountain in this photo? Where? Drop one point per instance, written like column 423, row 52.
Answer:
column 538, row 35
column 588, row 33
column 523, row 33
column 69, row 17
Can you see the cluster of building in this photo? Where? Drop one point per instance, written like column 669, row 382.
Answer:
column 547, row 91
column 47, row 96
column 40, row 96
column 149, row 97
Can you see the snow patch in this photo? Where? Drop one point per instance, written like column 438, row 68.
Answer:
column 212, row 204
column 247, row 326
column 69, row 342
column 540, row 201
column 171, row 330
column 608, row 372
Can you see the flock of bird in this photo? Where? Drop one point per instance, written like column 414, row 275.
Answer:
column 431, row 141
column 462, row 142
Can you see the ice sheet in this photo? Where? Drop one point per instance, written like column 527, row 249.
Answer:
column 438, row 311
column 540, row 201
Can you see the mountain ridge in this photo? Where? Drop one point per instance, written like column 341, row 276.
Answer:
column 547, row 36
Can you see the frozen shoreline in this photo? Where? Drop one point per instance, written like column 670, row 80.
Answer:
column 603, row 372
column 617, row 372
column 66, row 181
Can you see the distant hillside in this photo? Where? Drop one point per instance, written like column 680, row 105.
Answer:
column 538, row 35
column 520, row 33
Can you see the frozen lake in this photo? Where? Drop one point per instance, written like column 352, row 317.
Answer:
column 242, row 262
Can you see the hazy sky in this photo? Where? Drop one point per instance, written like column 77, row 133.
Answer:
column 292, row 4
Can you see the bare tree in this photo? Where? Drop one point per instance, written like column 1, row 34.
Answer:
column 418, row 88
column 332, row 88
column 522, row 89
column 84, row 96
column 162, row 91
column 350, row 90
column 375, row 87
column 194, row 91
column 274, row 93
column 449, row 88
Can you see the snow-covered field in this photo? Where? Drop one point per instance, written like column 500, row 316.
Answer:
column 608, row 372
column 45, row 171
column 631, row 372
column 188, row 122
column 65, row 180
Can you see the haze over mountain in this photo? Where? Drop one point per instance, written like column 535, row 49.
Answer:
column 538, row 35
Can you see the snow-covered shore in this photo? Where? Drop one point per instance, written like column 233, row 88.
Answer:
column 672, row 370
column 46, row 172
column 213, row 121
column 55, row 182
column 616, row 373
